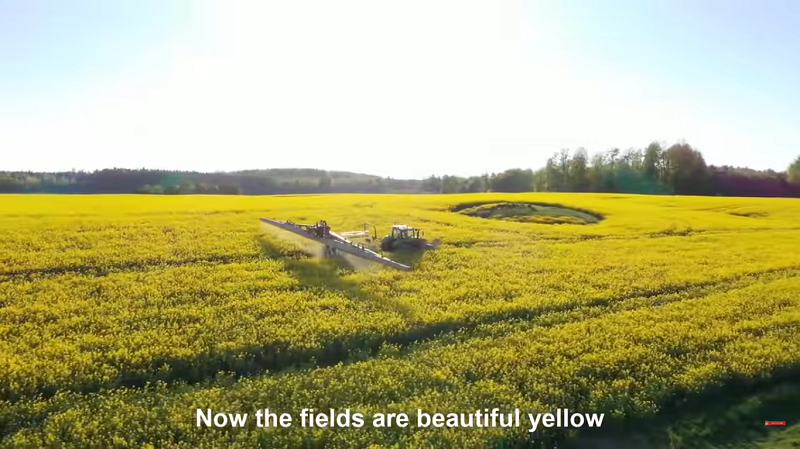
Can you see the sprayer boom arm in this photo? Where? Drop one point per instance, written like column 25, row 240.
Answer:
column 332, row 241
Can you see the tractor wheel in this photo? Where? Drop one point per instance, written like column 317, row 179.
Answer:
column 387, row 244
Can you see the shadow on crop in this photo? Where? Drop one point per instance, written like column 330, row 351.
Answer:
column 277, row 355
column 313, row 275
column 314, row 272
column 410, row 257
column 327, row 274
column 316, row 275
column 731, row 414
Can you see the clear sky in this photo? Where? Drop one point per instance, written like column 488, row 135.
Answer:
column 402, row 89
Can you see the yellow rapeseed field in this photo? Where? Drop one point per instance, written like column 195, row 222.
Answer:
column 121, row 315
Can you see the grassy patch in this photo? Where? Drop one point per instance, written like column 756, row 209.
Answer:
column 749, row 214
column 525, row 212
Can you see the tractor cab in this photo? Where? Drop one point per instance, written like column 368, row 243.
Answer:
column 403, row 232
column 405, row 237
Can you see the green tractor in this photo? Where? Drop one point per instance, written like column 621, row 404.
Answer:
column 402, row 238
column 406, row 238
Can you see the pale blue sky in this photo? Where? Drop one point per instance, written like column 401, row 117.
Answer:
column 401, row 89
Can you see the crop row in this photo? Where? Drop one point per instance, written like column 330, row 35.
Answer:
column 189, row 322
column 43, row 233
column 625, row 364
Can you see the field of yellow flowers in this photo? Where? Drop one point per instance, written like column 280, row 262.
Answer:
column 121, row 315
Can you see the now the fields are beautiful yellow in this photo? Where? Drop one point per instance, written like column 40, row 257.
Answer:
column 120, row 315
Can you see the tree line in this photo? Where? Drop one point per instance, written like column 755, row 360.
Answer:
column 167, row 182
column 677, row 169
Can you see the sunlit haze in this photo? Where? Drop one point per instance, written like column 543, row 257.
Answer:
column 401, row 89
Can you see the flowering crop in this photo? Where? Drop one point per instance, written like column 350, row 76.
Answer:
column 102, row 295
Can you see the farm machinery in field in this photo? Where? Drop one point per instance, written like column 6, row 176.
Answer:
column 401, row 238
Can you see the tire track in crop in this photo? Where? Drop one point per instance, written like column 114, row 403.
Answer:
column 677, row 400
column 158, row 213
column 583, row 238
column 244, row 361
column 132, row 265
column 138, row 265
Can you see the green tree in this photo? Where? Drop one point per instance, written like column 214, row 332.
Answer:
column 185, row 187
column 598, row 174
column 432, row 184
column 793, row 173
column 452, row 184
column 10, row 184
column 563, row 170
column 514, row 180
column 475, row 184
column 540, row 180
column 552, row 175
column 653, row 158
column 687, row 172
column 578, row 176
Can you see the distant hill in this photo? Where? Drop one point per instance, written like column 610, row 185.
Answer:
column 245, row 182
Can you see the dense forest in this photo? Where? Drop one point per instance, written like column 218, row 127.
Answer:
column 677, row 169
